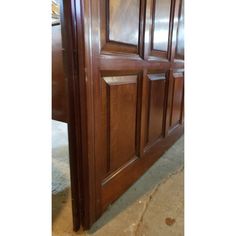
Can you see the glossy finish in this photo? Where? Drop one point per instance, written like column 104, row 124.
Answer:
column 157, row 90
column 177, row 99
column 121, row 121
column 126, row 102
column 59, row 95
column 161, row 24
column 124, row 21
column 180, row 34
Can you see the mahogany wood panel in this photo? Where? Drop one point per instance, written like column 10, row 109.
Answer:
column 161, row 24
column 180, row 33
column 157, row 97
column 127, row 95
column 115, row 34
column 59, row 96
column 121, row 12
column 177, row 99
column 122, row 106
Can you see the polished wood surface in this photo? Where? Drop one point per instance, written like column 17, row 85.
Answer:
column 156, row 107
column 180, row 34
column 122, row 126
column 161, row 24
column 120, row 13
column 59, row 95
column 177, row 99
column 126, row 95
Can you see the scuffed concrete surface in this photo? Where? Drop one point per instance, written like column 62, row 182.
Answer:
column 164, row 214
column 145, row 209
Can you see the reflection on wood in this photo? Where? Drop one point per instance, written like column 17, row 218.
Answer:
column 161, row 24
column 124, row 21
column 180, row 37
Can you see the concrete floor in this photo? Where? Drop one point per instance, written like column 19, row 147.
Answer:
column 154, row 205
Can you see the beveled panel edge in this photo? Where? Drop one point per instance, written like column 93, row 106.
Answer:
column 160, row 76
column 120, row 169
column 178, row 73
column 122, row 79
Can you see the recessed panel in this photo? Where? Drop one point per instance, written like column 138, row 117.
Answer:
column 161, row 24
column 156, row 106
column 121, row 118
column 124, row 21
column 177, row 100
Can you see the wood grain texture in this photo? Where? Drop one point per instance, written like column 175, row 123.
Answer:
column 157, row 97
column 120, row 111
column 123, row 103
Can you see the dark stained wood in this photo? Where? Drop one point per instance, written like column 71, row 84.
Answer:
column 126, row 97
column 156, row 106
column 59, row 95
column 74, row 131
column 177, row 99
column 121, row 119
column 72, row 68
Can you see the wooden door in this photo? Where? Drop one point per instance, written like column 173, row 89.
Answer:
column 127, row 95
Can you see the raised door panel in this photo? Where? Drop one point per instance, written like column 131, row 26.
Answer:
column 161, row 24
column 157, row 91
column 180, row 34
column 161, row 28
column 120, row 25
column 121, row 12
column 177, row 102
column 120, row 137
column 121, row 107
